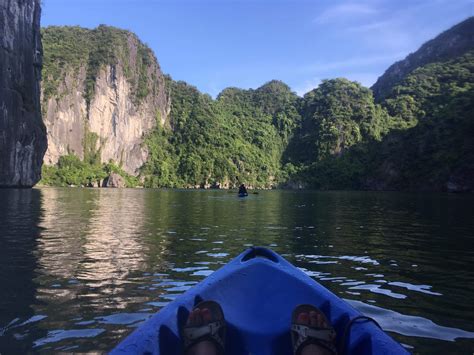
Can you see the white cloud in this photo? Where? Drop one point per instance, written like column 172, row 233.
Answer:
column 307, row 86
column 366, row 79
column 350, row 63
column 345, row 11
column 370, row 27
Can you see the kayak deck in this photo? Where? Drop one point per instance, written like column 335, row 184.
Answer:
column 258, row 291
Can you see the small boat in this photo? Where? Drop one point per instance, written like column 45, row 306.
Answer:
column 258, row 291
column 243, row 194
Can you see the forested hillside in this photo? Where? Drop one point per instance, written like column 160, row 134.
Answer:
column 415, row 135
column 435, row 150
column 239, row 137
column 452, row 43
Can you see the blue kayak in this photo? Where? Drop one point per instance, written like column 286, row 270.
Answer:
column 258, row 291
column 243, row 194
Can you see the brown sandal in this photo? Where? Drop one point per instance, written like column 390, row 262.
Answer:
column 214, row 331
column 302, row 335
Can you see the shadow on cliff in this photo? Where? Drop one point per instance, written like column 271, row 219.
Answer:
column 435, row 155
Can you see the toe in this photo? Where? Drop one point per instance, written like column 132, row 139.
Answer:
column 206, row 316
column 190, row 320
column 323, row 322
column 302, row 318
column 318, row 320
column 313, row 319
column 198, row 317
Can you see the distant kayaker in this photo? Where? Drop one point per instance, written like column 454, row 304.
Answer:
column 243, row 190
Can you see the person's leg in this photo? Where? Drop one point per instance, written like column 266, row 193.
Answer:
column 197, row 318
column 203, row 348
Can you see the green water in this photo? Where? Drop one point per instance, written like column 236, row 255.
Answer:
column 80, row 268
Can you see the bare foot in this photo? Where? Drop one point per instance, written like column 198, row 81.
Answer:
column 197, row 318
column 313, row 319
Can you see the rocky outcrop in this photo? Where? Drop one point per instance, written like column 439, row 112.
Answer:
column 22, row 133
column 108, row 96
column 449, row 44
column 114, row 180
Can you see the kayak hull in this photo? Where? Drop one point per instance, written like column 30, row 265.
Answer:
column 258, row 291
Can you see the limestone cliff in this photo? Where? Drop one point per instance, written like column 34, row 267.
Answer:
column 22, row 133
column 102, row 92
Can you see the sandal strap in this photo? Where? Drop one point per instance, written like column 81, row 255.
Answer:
column 211, row 330
column 325, row 334
column 311, row 335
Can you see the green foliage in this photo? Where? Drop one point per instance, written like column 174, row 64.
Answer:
column 419, row 139
column 71, row 171
column 160, row 169
column 437, row 102
column 239, row 137
column 428, row 142
column 70, row 50
column 91, row 152
column 336, row 137
column 336, row 116
column 65, row 49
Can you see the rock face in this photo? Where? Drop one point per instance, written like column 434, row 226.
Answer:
column 22, row 132
column 114, row 180
column 450, row 44
column 104, row 99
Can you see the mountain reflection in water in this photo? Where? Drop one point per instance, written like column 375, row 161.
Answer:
column 80, row 268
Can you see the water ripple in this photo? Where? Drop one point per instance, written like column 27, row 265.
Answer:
column 116, row 256
column 59, row 335
column 410, row 325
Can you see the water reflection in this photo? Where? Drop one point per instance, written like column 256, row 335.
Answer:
column 103, row 236
column 20, row 213
column 92, row 264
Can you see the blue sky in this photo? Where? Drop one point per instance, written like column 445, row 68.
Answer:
column 214, row 44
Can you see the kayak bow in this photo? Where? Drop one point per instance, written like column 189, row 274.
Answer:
column 258, row 291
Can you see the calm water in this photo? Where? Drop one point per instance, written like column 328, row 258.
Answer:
column 81, row 268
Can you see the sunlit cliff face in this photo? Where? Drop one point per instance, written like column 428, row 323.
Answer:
column 101, row 103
